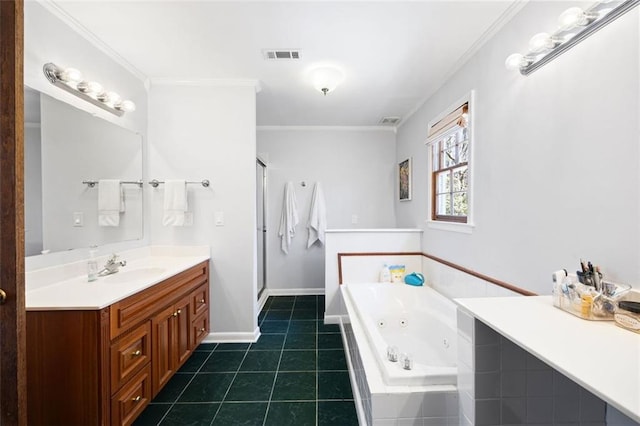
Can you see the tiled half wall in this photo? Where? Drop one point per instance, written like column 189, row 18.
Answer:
column 500, row 383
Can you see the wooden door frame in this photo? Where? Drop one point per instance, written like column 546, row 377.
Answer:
column 13, row 389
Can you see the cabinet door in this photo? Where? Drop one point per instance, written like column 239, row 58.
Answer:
column 199, row 329
column 200, row 300
column 129, row 354
column 131, row 399
column 182, row 330
column 162, row 337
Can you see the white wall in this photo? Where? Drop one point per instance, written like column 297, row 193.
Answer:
column 556, row 171
column 356, row 170
column 200, row 133
column 63, row 45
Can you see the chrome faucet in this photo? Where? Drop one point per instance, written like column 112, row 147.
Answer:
column 112, row 266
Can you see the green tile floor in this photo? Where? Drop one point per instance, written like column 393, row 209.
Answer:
column 295, row 374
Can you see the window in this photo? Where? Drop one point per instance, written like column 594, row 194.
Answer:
column 449, row 148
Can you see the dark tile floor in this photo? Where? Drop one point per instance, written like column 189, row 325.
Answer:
column 295, row 374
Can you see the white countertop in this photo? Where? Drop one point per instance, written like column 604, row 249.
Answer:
column 76, row 293
column 598, row 355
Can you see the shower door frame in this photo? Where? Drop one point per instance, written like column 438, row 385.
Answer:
column 263, row 165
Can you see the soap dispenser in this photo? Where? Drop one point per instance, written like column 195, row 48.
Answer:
column 385, row 274
column 92, row 265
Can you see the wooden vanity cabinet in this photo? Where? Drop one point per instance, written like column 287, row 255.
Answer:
column 171, row 342
column 103, row 367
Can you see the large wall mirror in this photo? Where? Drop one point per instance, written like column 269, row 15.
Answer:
column 64, row 147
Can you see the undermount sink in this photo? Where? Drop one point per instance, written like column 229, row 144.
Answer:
column 126, row 275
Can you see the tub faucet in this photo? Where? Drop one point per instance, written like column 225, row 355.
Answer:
column 112, row 266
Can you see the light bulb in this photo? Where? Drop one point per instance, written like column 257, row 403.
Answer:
column 541, row 42
column 126, row 106
column 572, row 17
column 108, row 97
column 90, row 87
column 513, row 62
column 70, row 75
column 113, row 98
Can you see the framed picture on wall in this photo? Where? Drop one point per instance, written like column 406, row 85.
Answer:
column 404, row 180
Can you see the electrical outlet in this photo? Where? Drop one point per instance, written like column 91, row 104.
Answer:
column 78, row 219
column 354, row 219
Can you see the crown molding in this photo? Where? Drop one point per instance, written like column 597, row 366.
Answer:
column 316, row 128
column 208, row 82
column 496, row 26
column 91, row 38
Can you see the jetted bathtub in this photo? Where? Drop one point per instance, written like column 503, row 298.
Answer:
column 418, row 321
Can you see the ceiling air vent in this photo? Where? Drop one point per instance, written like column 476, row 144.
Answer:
column 280, row 54
column 389, row 121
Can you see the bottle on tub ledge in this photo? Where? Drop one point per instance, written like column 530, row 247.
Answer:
column 397, row 273
column 385, row 274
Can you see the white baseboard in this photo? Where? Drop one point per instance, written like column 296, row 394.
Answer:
column 293, row 291
column 263, row 299
column 232, row 337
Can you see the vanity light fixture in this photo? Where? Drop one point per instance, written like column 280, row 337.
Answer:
column 70, row 79
column 574, row 25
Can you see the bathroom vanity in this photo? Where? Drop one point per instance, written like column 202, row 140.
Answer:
column 99, row 352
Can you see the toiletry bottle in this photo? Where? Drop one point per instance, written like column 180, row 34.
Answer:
column 92, row 265
column 385, row 274
column 558, row 278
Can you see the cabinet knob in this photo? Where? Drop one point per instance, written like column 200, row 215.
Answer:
column 201, row 300
column 179, row 312
column 202, row 329
column 136, row 399
column 175, row 314
column 136, row 353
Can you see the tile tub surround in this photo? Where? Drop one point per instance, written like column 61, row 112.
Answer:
column 502, row 383
column 295, row 374
column 382, row 405
column 65, row 286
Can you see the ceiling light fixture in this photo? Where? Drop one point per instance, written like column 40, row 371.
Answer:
column 575, row 25
column 326, row 78
column 70, row 79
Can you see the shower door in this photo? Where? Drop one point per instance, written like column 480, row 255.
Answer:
column 261, row 227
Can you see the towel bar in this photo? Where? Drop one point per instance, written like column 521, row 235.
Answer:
column 93, row 183
column 204, row 182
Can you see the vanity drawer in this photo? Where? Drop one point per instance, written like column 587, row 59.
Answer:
column 134, row 309
column 132, row 399
column 199, row 329
column 129, row 354
column 200, row 300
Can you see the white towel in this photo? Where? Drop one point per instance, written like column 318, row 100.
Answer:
column 110, row 202
column 317, row 223
column 175, row 202
column 289, row 218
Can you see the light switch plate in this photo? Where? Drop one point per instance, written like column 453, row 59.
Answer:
column 78, row 219
column 219, row 218
column 354, row 219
